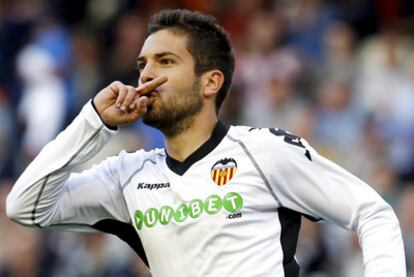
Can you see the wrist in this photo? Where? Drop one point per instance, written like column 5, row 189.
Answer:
column 111, row 127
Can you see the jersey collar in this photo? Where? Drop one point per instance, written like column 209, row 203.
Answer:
column 219, row 132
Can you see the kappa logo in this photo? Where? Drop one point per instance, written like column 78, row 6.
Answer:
column 153, row 186
column 223, row 170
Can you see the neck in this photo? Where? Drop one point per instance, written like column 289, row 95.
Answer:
column 183, row 144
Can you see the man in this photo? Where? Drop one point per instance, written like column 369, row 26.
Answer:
column 218, row 200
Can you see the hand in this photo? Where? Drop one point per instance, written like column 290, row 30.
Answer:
column 121, row 104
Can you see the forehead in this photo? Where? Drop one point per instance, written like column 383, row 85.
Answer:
column 165, row 41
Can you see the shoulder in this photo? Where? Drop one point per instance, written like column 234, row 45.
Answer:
column 142, row 154
column 257, row 137
column 269, row 142
column 127, row 159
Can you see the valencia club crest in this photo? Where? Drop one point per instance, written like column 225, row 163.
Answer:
column 223, row 170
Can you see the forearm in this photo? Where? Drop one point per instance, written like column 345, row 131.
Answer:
column 381, row 241
column 36, row 192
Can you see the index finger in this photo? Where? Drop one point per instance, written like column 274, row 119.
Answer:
column 151, row 85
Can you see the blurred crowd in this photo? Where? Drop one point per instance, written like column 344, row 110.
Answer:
column 338, row 73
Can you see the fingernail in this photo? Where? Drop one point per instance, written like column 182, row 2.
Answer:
column 118, row 105
column 123, row 108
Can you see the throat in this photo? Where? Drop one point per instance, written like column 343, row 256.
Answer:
column 180, row 145
column 178, row 128
column 179, row 160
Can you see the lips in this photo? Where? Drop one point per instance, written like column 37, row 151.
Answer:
column 151, row 93
column 151, row 97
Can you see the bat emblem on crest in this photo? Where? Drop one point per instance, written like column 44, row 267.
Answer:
column 223, row 170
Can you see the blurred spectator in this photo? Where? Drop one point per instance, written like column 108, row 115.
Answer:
column 54, row 39
column 102, row 12
column 381, row 60
column 338, row 55
column 369, row 150
column 7, row 133
column 20, row 251
column 309, row 20
column 353, row 261
column 338, row 120
column 267, row 73
column 384, row 180
column 397, row 124
column 88, row 70
column 311, row 251
column 233, row 15
column 96, row 255
column 16, row 19
column 386, row 90
column 129, row 35
column 42, row 108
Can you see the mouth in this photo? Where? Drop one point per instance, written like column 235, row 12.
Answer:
column 151, row 97
column 151, row 93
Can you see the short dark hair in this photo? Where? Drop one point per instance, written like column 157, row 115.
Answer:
column 207, row 42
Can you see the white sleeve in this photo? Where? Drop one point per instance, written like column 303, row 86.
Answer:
column 48, row 195
column 304, row 181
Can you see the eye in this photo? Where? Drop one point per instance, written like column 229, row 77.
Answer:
column 167, row 61
column 141, row 66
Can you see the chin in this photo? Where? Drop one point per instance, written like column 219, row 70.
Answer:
column 151, row 118
column 148, row 119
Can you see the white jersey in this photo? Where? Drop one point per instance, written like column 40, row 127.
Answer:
column 232, row 208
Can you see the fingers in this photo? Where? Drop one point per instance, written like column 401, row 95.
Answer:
column 141, row 105
column 120, row 90
column 126, row 95
column 151, row 85
column 129, row 98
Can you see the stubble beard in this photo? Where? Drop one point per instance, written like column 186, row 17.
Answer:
column 178, row 115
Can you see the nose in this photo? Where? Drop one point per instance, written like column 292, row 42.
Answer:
column 147, row 74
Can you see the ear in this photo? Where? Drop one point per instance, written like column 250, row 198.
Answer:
column 211, row 82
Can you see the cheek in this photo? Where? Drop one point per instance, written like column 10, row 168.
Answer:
column 179, row 81
column 173, row 86
column 180, row 76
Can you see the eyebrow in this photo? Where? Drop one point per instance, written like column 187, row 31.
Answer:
column 158, row 55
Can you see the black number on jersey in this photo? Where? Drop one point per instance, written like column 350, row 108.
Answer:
column 291, row 139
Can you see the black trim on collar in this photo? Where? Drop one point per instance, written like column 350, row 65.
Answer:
column 218, row 134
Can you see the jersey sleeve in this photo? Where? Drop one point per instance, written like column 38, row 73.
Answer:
column 306, row 182
column 49, row 195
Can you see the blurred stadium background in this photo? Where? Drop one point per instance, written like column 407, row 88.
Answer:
column 339, row 73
